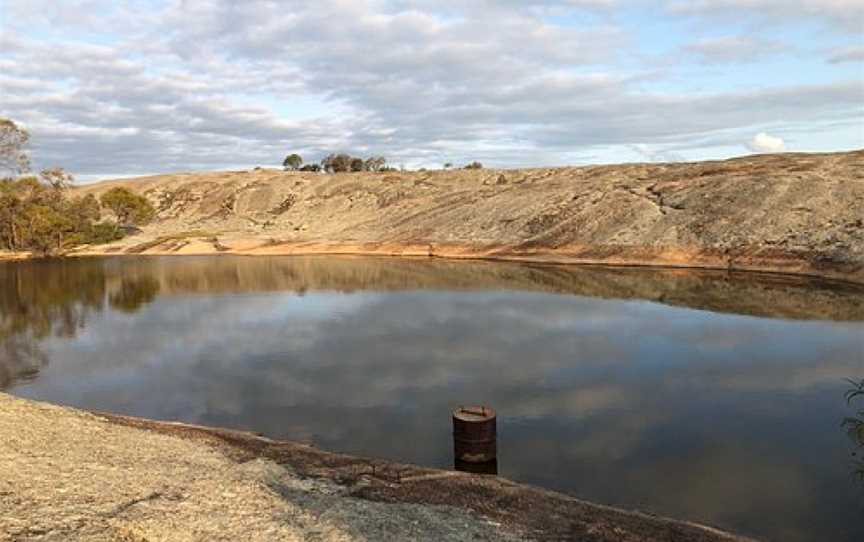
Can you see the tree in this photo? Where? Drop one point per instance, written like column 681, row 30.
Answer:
column 84, row 213
column 374, row 163
column 129, row 208
column 14, row 159
column 57, row 178
column 292, row 162
column 86, row 209
column 36, row 216
column 36, row 213
column 46, row 229
column 474, row 165
column 342, row 163
column 327, row 163
column 448, row 165
column 336, row 163
column 311, row 167
column 11, row 218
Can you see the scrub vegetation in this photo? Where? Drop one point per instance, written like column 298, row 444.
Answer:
column 38, row 214
column 345, row 163
column 337, row 163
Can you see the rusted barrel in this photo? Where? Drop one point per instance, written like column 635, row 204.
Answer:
column 474, row 434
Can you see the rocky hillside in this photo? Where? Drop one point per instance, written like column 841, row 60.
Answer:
column 796, row 213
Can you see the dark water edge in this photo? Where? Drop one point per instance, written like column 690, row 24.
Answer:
column 707, row 396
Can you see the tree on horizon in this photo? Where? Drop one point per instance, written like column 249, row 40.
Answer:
column 292, row 162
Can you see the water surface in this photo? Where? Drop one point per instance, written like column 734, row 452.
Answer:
column 705, row 396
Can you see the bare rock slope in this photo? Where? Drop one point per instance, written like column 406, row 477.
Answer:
column 795, row 213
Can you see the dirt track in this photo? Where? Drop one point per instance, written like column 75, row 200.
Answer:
column 791, row 213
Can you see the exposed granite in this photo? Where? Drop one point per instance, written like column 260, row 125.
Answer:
column 790, row 213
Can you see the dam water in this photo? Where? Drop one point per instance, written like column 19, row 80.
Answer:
column 705, row 396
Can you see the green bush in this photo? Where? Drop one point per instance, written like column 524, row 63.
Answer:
column 129, row 207
column 104, row 233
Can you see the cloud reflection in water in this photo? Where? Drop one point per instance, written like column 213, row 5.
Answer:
column 722, row 418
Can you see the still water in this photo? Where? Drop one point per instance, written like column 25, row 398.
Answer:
column 704, row 396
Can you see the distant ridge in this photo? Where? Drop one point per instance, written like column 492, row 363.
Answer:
column 791, row 213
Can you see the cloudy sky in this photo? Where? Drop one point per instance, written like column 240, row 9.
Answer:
column 122, row 88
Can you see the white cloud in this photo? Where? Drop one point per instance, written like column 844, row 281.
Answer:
column 727, row 49
column 764, row 143
column 216, row 85
column 847, row 54
column 847, row 15
column 655, row 155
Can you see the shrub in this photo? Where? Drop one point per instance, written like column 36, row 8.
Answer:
column 104, row 233
column 129, row 207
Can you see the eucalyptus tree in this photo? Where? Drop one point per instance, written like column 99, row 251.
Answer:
column 14, row 159
column 292, row 162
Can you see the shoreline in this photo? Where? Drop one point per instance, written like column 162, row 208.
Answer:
column 797, row 214
column 489, row 504
column 756, row 261
column 14, row 256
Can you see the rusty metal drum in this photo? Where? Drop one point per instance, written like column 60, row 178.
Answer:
column 475, row 434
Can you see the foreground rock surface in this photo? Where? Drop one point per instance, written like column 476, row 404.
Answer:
column 792, row 213
column 70, row 475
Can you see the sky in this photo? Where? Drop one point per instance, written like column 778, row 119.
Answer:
column 110, row 89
